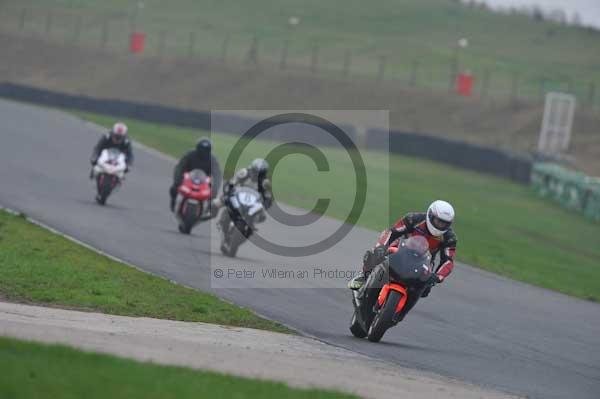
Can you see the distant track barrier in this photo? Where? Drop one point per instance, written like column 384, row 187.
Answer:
column 493, row 161
column 572, row 190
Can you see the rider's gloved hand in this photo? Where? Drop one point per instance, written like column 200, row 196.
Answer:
column 433, row 280
column 380, row 252
column 374, row 257
column 227, row 188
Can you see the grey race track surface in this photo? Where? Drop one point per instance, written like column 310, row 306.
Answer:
column 477, row 327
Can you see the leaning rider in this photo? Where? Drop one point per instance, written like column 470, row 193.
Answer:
column 254, row 176
column 434, row 225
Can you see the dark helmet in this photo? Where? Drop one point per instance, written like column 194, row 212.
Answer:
column 203, row 147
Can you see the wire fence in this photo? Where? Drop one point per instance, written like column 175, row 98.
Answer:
column 110, row 33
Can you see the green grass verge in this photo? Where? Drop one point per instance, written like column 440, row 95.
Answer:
column 40, row 267
column 502, row 227
column 404, row 31
column 51, row 371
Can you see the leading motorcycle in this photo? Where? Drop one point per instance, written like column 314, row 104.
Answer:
column 243, row 210
column 109, row 172
column 380, row 303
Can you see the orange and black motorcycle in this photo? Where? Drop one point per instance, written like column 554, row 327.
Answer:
column 380, row 303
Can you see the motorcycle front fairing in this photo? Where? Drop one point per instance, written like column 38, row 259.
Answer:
column 405, row 271
column 111, row 161
column 247, row 207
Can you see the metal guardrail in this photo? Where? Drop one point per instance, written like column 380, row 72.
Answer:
column 572, row 190
column 465, row 155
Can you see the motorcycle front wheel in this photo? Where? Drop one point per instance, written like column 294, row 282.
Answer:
column 384, row 317
column 232, row 239
column 189, row 216
column 355, row 327
column 105, row 186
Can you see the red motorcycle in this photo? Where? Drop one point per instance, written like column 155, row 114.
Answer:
column 192, row 204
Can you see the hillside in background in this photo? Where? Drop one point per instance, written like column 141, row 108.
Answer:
column 415, row 41
column 205, row 85
column 398, row 56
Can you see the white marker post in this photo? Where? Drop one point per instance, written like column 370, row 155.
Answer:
column 557, row 124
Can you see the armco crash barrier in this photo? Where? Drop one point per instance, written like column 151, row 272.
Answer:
column 457, row 153
column 573, row 190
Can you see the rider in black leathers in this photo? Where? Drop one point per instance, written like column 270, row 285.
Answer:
column 199, row 158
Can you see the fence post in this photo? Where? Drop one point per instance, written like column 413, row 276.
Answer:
column 224, row 48
column 162, row 42
column 543, row 89
column 192, row 44
column 347, row 63
column 381, row 71
column 514, row 91
column 284, row 54
column 49, row 21
column 570, row 85
column 414, row 73
column 22, row 19
column 104, row 33
column 77, row 29
column 454, row 67
column 252, row 57
column 485, row 84
column 314, row 61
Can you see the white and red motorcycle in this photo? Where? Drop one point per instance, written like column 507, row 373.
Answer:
column 109, row 172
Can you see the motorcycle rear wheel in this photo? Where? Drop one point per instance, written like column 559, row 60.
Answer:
column 384, row 317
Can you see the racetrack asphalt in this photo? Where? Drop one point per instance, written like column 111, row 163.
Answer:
column 476, row 327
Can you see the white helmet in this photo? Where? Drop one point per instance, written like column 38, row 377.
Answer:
column 119, row 130
column 258, row 167
column 440, row 216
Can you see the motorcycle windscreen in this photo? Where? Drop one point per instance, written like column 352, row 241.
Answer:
column 197, row 176
column 409, row 266
column 248, row 203
column 113, row 155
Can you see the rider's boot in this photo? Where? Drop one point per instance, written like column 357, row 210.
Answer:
column 358, row 281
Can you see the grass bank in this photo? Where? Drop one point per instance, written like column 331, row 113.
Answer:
column 502, row 227
column 37, row 266
column 51, row 371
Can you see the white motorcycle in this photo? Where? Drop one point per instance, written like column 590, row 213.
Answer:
column 243, row 210
column 109, row 172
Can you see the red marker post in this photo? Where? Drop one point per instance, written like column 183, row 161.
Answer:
column 137, row 42
column 464, row 84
